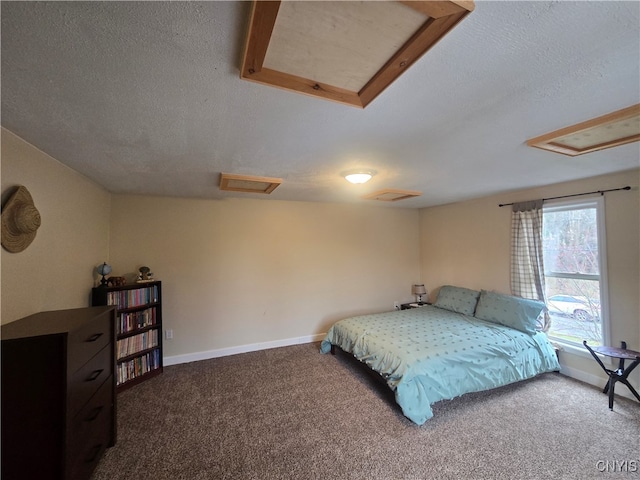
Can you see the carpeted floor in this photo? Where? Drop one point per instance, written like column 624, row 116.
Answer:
column 294, row 413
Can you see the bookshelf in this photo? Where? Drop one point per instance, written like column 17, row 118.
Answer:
column 138, row 329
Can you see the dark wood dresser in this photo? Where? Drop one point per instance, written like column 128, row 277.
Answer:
column 58, row 393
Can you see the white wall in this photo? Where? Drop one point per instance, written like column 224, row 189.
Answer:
column 242, row 271
column 468, row 244
column 57, row 270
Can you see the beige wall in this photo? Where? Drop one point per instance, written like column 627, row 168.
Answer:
column 468, row 244
column 57, row 270
column 243, row 271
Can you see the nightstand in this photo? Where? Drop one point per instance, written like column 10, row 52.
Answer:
column 407, row 306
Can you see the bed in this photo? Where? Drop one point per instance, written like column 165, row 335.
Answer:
column 467, row 341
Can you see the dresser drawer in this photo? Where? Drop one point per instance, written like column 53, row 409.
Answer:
column 84, row 343
column 90, row 420
column 84, row 460
column 84, row 383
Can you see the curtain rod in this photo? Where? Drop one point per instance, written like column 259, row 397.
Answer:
column 601, row 192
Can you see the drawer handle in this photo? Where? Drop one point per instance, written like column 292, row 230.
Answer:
column 94, row 414
column 94, row 337
column 95, row 450
column 95, row 374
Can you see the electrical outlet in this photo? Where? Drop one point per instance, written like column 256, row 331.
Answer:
column 168, row 334
column 396, row 305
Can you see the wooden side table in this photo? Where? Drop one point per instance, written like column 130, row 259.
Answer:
column 621, row 374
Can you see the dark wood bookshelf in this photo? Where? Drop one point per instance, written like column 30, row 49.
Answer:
column 139, row 353
column 133, row 333
column 137, row 307
column 136, row 380
column 144, row 363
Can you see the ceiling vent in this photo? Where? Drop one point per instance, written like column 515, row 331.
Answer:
column 248, row 183
column 611, row 130
column 392, row 195
column 344, row 51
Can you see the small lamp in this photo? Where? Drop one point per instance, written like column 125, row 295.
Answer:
column 418, row 291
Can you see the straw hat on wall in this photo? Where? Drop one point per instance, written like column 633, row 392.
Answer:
column 20, row 221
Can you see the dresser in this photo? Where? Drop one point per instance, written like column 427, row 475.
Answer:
column 58, row 393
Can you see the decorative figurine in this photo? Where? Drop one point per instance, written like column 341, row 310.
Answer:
column 145, row 274
column 116, row 281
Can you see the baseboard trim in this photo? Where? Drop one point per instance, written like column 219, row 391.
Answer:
column 253, row 347
column 596, row 381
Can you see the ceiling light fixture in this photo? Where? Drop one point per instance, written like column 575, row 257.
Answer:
column 358, row 176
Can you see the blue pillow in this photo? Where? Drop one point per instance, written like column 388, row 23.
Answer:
column 457, row 299
column 514, row 312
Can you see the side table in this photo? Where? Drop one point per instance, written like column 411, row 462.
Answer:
column 621, row 374
column 407, row 306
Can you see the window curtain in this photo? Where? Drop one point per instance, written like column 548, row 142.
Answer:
column 527, row 265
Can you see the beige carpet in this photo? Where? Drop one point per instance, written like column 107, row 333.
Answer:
column 294, row 413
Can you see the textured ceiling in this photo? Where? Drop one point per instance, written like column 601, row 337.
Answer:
column 145, row 98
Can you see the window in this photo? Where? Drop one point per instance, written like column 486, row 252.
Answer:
column 573, row 249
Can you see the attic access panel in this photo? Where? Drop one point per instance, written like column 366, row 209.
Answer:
column 344, row 51
column 248, row 183
column 392, row 195
column 616, row 128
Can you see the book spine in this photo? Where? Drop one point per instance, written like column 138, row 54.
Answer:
column 138, row 366
column 131, row 321
column 137, row 343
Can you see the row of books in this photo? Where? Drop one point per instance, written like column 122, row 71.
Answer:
column 130, row 345
column 138, row 366
column 130, row 321
column 133, row 298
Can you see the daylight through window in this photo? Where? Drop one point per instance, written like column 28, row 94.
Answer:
column 573, row 242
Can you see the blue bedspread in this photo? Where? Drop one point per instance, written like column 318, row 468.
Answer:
column 429, row 354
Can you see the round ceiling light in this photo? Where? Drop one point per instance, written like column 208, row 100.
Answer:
column 358, row 176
